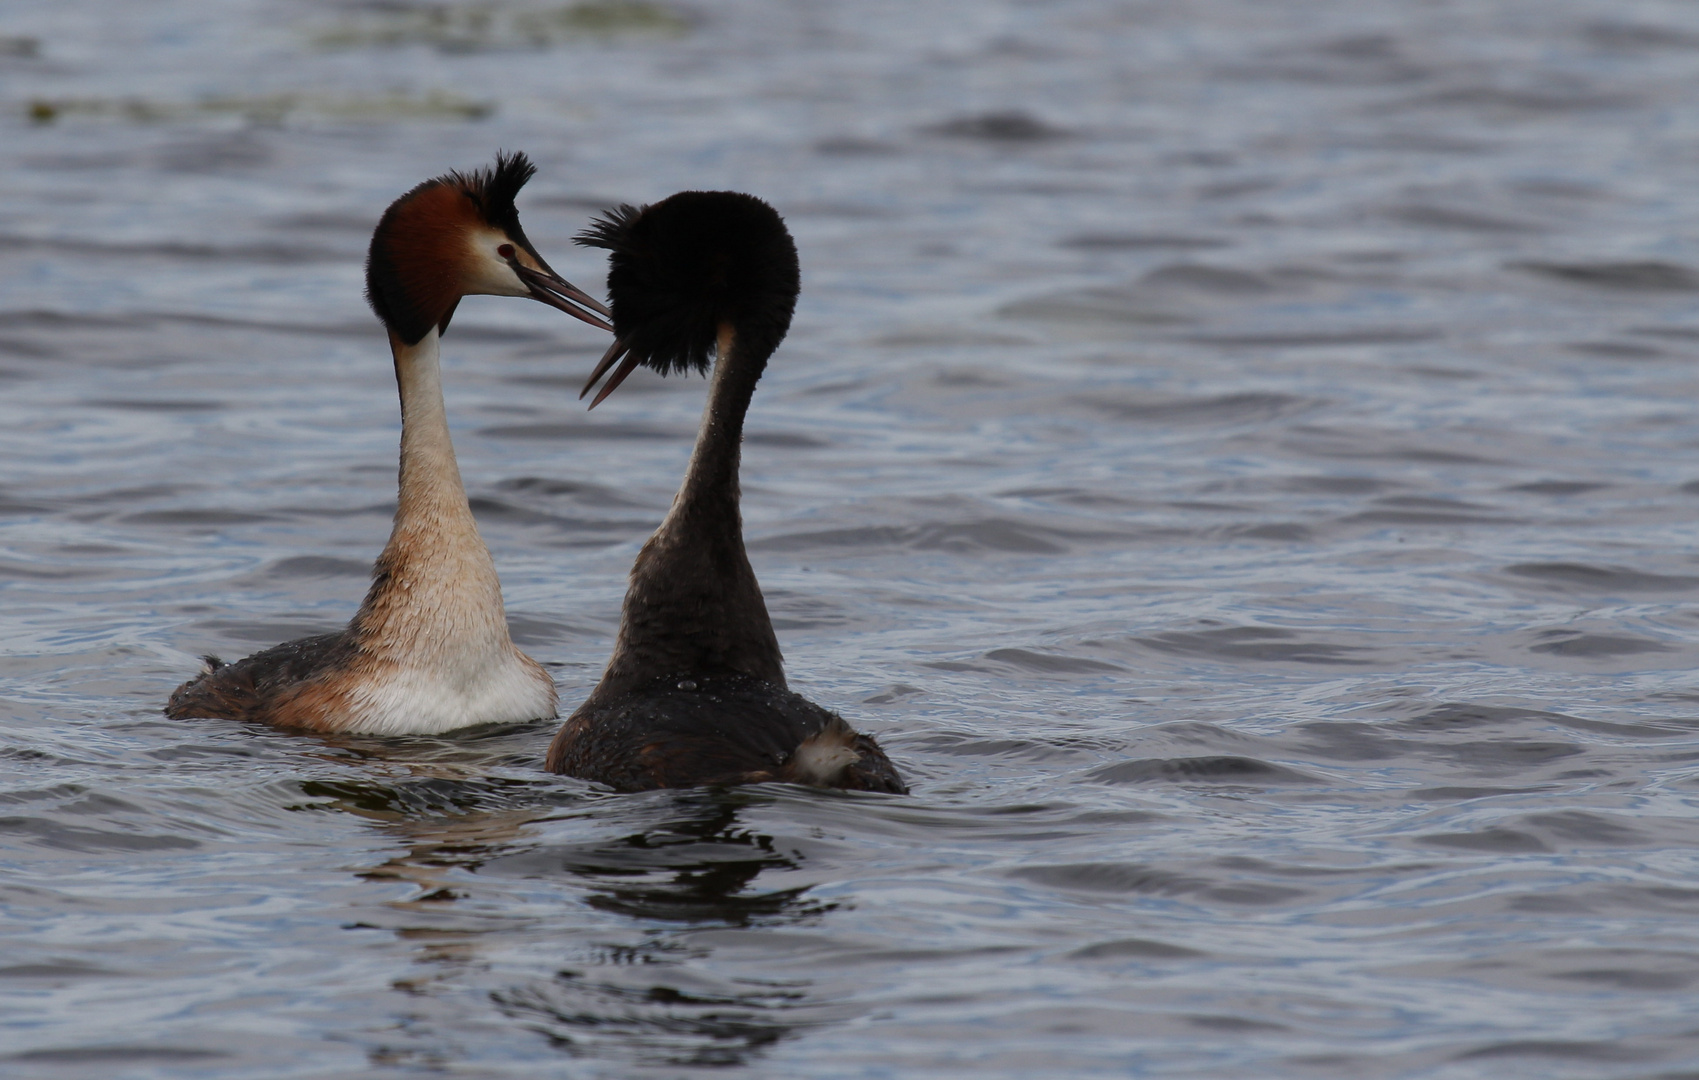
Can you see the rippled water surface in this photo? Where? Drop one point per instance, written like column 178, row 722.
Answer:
column 1241, row 460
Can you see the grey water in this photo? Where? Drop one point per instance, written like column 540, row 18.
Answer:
column 1240, row 459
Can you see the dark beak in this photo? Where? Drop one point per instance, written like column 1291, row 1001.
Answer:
column 556, row 291
column 609, row 358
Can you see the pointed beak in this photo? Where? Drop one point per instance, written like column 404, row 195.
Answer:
column 609, row 358
column 557, row 292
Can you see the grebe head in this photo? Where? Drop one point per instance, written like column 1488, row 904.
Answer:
column 686, row 267
column 459, row 235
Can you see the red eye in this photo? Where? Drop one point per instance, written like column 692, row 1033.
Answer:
column 505, row 251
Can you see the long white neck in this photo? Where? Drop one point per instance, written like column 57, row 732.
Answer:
column 431, row 494
column 436, row 600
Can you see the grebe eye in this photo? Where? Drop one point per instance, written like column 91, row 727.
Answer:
column 505, row 251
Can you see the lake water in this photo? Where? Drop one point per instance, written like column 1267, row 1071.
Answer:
column 1240, row 459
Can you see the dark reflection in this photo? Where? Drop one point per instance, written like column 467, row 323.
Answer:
column 423, row 786
column 695, row 866
column 402, row 798
column 656, row 1001
column 688, row 859
column 674, row 862
column 654, row 1023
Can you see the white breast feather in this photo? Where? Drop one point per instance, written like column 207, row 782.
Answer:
column 426, row 701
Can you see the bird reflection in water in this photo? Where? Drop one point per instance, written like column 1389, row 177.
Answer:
column 695, row 868
column 643, row 993
column 655, row 1002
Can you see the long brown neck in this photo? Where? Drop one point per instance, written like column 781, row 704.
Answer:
column 435, row 589
column 710, row 492
column 694, row 606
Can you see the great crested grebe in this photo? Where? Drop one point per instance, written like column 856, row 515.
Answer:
column 429, row 650
column 695, row 691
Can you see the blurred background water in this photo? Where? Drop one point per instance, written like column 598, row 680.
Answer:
column 1239, row 458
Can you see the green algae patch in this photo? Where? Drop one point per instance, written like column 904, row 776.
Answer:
column 482, row 27
column 271, row 109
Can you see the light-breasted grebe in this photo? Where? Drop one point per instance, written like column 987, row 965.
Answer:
column 429, row 649
column 695, row 691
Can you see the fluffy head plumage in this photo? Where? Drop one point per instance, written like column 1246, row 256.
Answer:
column 680, row 268
column 411, row 278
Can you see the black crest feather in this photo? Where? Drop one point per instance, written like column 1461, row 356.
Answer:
column 495, row 189
column 680, row 268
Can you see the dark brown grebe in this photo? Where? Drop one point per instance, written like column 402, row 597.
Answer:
column 429, row 649
column 695, row 691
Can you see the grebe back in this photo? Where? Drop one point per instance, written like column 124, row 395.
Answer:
column 429, row 649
